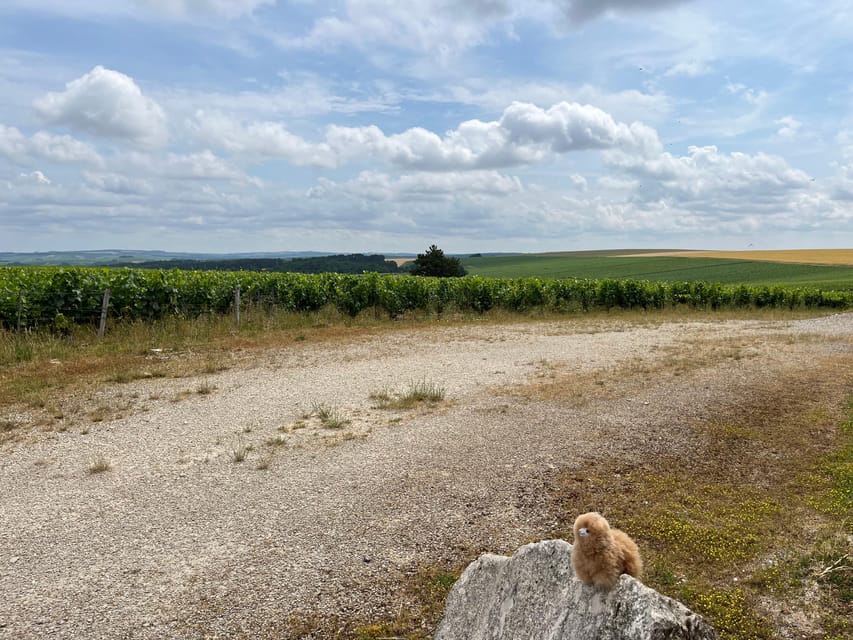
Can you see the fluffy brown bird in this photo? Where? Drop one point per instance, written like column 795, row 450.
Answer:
column 601, row 554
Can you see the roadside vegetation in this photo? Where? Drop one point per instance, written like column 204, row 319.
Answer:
column 56, row 298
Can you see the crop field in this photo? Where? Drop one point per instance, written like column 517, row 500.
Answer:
column 33, row 297
column 684, row 266
column 799, row 256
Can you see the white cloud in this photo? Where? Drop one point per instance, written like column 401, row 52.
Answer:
column 202, row 165
column 265, row 139
column 788, row 126
column 444, row 27
column 436, row 26
column 578, row 181
column 494, row 95
column 692, row 69
column 21, row 149
column 108, row 104
column 372, row 185
column 525, row 134
column 118, row 183
column 34, row 177
column 753, row 97
column 706, row 173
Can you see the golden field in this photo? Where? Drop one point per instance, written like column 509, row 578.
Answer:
column 799, row 256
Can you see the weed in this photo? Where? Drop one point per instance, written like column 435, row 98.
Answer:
column 205, row 388
column 263, row 463
column 279, row 440
column 180, row 396
column 731, row 612
column 99, row 465
column 417, row 393
column 239, row 453
column 329, row 416
column 214, row 365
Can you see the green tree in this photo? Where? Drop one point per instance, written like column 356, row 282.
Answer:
column 435, row 263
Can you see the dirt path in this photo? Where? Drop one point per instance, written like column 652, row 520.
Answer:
column 179, row 540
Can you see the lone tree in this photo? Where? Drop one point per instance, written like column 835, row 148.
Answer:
column 435, row 263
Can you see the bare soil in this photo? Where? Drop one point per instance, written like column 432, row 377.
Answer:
column 179, row 538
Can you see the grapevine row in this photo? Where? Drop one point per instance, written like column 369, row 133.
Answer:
column 37, row 296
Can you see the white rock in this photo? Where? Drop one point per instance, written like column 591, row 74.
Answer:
column 534, row 595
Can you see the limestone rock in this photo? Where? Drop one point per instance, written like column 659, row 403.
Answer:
column 534, row 595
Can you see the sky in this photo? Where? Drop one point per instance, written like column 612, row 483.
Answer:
column 384, row 127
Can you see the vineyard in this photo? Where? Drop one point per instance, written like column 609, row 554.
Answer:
column 52, row 297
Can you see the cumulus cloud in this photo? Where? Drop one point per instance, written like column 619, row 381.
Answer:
column 524, row 134
column 21, row 149
column 260, row 138
column 373, row 185
column 108, row 104
column 706, row 173
column 496, row 94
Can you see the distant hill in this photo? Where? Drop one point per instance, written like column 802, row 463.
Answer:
column 105, row 257
column 342, row 263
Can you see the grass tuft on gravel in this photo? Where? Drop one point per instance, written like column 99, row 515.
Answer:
column 418, row 393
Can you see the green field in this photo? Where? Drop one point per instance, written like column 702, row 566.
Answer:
column 607, row 264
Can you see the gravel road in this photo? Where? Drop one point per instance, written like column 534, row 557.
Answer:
column 180, row 540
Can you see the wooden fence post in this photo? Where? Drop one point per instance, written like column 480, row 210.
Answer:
column 102, row 327
column 237, row 306
column 20, row 309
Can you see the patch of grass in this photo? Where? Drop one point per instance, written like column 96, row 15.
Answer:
column 205, row 388
column 279, row 440
column 240, row 452
column 181, row 395
column 730, row 610
column 329, row 416
column 423, row 595
column 721, row 528
column 421, row 392
column 99, row 465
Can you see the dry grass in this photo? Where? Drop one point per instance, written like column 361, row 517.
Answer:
column 798, row 256
column 557, row 381
column 99, row 465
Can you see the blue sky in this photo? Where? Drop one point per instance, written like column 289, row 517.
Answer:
column 374, row 126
